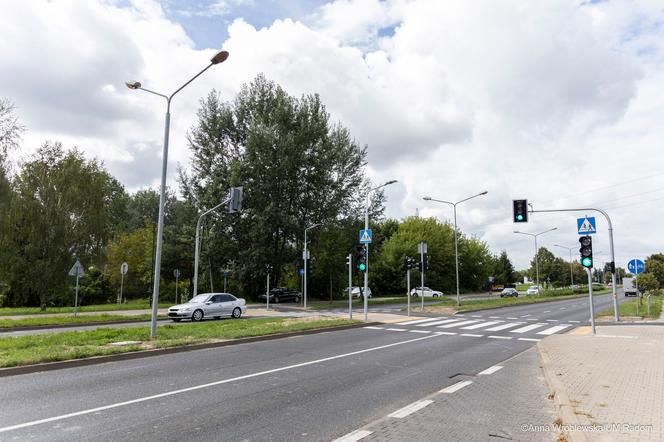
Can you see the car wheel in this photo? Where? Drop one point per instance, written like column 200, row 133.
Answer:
column 237, row 312
column 276, row 300
column 435, row 295
column 176, row 319
column 197, row 315
column 297, row 299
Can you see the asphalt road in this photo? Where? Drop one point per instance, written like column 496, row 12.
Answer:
column 312, row 387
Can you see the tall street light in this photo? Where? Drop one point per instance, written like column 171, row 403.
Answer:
column 305, row 256
column 571, row 266
column 535, row 235
column 219, row 57
column 366, row 227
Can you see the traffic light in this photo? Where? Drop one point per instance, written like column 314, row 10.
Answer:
column 349, row 259
column 520, row 211
column 268, row 269
column 361, row 258
column 423, row 265
column 310, row 265
column 235, row 202
column 586, row 251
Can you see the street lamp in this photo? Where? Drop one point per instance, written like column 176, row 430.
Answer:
column 456, row 248
column 366, row 227
column 219, row 57
column 571, row 267
column 306, row 258
column 535, row 235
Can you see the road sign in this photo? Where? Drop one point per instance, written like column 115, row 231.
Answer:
column 176, row 273
column 365, row 236
column 77, row 269
column 422, row 248
column 124, row 267
column 302, row 271
column 636, row 266
column 586, row 225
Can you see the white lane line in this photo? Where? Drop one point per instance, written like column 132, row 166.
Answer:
column 546, row 311
column 410, row 409
column 446, row 321
column 459, row 314
column 446, row 333
column 552, row 330
column 475, row 316
column 418, row 321
column 552, row 320
column 494, row 317
column 527, row 328
column 532, row 319
column 455, row 387
column 490, row 370
column 396, row 329
column 480, row 325
column 419, row 331
column 354, row 436
column 511, row 318
column 499, row 337
column 563, row 308
column 504, row 326
column 529, row 339
column 525, row 316
column 471, row 335
column 456, row 324
column 575, row 322
column 371, row 327
column 208, row 385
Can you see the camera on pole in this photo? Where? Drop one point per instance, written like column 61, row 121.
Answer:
column 586, row 251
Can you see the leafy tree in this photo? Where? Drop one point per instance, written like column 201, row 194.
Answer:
column 648, row 282
column 551, row 267
column 135, row 249
column 655, row 265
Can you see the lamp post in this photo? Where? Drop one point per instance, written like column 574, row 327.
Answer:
column 366, row 227
column 219, row 57
column 305, row 256
column 535, row 235
column 456, row 247
column 571, row 267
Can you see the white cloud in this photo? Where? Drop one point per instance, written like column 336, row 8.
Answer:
column 545, row 100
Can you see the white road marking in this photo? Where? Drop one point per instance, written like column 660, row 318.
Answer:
column 410, row 409
column 371, row 327
column 475, row 316
column 529, row 339
column 527, row 328
column 500, row 337
column 446, row 333
column 446, row 321
column 419, row 331
column 504, row 326
column 396, row 329
column 458, row 324
column 459, row 314
column 418, row 321
column 552, row 320
column 494, row 317
column 455, row 387
column 208, row 385
column 552, row 330
column 512, row 318
column 575, row 322
column 525, row 316
column 471, row 335
column 563, row 308
column 480, row 325
column 354, row 436
column 547, row 311
column 490, row 370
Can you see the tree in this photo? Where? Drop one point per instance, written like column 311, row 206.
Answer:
column 655, row 265
column 550, row 267
column 503, row 270
column 648, row 282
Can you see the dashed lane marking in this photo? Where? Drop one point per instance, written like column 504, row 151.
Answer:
column 455, row 387
column 552, row 320
column 504, row 326
column 575, row 322
column 456, row 324
column 410, row 409
column 446, row 321
column 494, row 317
column 419, row 331
column 397, row 329
column 499, row 337
column 470, row 335
column 419, row 321
column 529, row 339
column 371, row 327
column 354, row 436
column 511, row 318
column 480, row 325
column 446, row 333
column 527, row 328
column 490, row 370
column 552, row 330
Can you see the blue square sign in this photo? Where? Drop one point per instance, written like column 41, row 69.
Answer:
column 365, row 236
column 586, row 225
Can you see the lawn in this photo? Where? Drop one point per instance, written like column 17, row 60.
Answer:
column 65, row 320
column 49, row 347
column 358, row 302
column 631, row 307
column 140, row 305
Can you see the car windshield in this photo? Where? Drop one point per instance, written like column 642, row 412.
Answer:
column 198, row 299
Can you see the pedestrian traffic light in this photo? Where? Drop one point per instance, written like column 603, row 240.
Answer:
column 310, row 265
column 586, row 251
column 235, row 200
column 410, row 263
column 361, row 258
column 423, row 265
column 520, row 211
column 268, row 269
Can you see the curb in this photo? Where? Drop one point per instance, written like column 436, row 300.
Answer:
column 73, row 325
column 72, row 363
column 560, row 399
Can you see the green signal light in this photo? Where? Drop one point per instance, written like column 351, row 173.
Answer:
column 362, row 267
column 519, row 217
column 587, row 262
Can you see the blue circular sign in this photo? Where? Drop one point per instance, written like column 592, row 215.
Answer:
column 636, row 266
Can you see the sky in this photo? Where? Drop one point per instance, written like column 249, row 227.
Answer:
column 556, row 101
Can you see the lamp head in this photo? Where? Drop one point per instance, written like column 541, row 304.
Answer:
column 391, row 182
column 219, row 57
column 484, row 193
column 426, row 198
column 133, row 85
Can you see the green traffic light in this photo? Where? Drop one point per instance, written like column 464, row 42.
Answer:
column 519, row 217
column 362, row 267
column 587, row 262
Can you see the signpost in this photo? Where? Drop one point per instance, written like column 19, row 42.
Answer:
column 422, row 250
column 227, row 273
column 586, row 225
column 365, row 238
column 124, row 268
column 636, row 266
column 590, row 293
column 350, row 285
column 76, row 270
column 176, row 273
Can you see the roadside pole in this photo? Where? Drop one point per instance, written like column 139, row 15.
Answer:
column 77, row 271
column 176, row 273
column 267, row 294
column 124, row 267
column 76, row 297
column 423, row 250
column 408, row 288
column 592, row 303
column 350, row 285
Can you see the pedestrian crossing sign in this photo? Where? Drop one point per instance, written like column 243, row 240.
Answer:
column 365, row 236
column 586, row 225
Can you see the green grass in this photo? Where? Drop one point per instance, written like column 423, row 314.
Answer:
column 629, row 308
column 49, row 347
column 15, row 311
column 357, row 302
column 65, row 320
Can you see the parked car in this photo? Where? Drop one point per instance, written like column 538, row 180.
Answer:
column 281, row 294
column 356, row 292
column 208, row 305
column 533, row 290
column 509, row 293
column 427, row 292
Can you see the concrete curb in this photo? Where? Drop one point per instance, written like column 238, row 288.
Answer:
column 560, row 399
column 71, row 363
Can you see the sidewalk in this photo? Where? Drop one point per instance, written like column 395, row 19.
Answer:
column 609, row 386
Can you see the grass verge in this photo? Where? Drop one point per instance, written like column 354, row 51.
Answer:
column 66, row 320
column 50, row 347
column 323, row 305
column 631, row 308
column 12, row 311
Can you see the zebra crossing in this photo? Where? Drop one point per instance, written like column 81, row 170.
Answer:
column 522, row 329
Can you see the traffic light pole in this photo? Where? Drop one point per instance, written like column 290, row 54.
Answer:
column 267, row 294
column 616, row 317
column 350, row 285
column 592, row 303
column 422, row 277
column 197, row 250
column 408, row 288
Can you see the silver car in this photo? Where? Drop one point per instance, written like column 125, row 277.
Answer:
column 208, row 305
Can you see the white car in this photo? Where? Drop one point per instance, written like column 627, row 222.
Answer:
column 357, row 293
column 208, row 305
column 533, row 290
column 426, row 293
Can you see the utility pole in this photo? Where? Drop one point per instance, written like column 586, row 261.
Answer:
column 349, row 261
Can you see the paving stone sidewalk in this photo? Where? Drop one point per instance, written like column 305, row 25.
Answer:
column 494, row 407
column 610, row 387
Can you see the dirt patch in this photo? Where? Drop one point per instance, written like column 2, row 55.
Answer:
column 439, row 310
